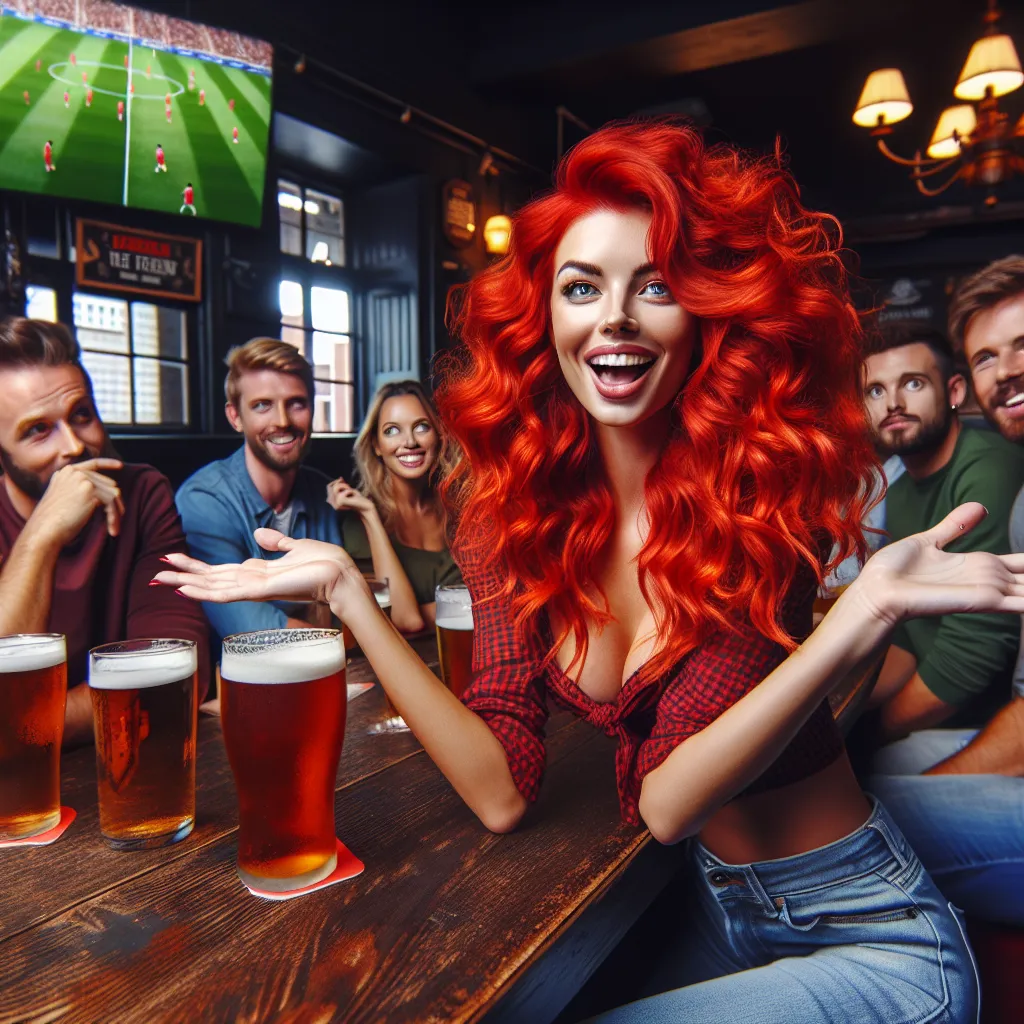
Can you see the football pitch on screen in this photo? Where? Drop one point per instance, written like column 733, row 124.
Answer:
column 64, row 87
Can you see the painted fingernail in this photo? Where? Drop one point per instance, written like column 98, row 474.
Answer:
column 986, row 510
column 166, row 560
column 180, row 594
column 154, row 583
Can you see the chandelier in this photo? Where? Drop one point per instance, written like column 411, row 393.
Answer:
column 974, row 142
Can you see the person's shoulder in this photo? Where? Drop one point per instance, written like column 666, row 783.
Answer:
column 141, row 478
column 978, row 445
column 212, row 478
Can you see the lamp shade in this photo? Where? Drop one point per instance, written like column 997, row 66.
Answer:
column 496, row 234
column 992, row 62
column 955, row 124
column 883, row 100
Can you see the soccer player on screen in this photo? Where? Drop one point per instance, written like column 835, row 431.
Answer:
column 25, row 94
column 147, row 70
column 67, row 101
column 234, row 135
column 188, row 195
column 39, row 64
column 160, row 164
column 191, row 79
column 202, row 97
column 231, row 104
column 73, row 59
column 88, row 97
column 126, row 60
column 120, row 110
column 48, row 156
column 85, row 78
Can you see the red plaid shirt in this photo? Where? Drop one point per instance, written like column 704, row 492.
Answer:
column 649, row 718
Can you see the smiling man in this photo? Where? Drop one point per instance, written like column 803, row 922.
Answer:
column 955, row 669
column 81, row 535
column 269, row 392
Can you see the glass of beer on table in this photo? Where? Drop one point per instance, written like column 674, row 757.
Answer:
column 144, row 707
column 454, row 619
column 33, row 694
column 283, row 704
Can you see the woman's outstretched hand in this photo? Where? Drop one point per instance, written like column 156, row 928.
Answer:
column 915, row 577
column 310, row 570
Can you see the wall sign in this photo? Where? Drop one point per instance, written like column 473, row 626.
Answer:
column 131, row 260
column 459, row 213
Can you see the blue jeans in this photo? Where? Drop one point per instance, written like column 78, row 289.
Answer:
column 968, row 830
column 852, row 933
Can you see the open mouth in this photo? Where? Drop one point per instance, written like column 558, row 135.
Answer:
column 413, row 460
column 619, row 375
column 1014, row 406
column 282, row 442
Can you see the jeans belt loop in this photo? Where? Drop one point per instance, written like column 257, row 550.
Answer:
column 759, row 891
column 896, row 848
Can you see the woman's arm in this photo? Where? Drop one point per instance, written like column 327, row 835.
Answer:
column 708, row 769
column 458, row 741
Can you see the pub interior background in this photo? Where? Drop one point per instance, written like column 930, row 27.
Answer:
column 378, row 107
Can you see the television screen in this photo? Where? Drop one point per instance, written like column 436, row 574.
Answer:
column 106, row 102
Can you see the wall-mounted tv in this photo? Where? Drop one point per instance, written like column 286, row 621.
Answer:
column 110, row 103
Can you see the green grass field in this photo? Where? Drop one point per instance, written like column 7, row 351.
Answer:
column 90, row 144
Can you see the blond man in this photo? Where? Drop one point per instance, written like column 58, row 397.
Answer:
column 269, row 401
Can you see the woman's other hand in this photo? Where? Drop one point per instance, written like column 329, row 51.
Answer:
column 309, row 570
column 915, row 577
column 341, row 495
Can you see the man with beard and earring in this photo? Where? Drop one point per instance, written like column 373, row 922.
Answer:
column 81, row 535
column 953, row 669
column 269, row 401
column 958, row 794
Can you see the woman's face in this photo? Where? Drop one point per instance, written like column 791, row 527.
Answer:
column 623, row 343
column 406, row 439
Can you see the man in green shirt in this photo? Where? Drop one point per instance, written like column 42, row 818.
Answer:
column 954, row 669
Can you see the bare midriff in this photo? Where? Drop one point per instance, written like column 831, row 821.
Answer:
column 790, row 820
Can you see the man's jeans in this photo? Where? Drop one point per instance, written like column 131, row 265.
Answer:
column 968, row 830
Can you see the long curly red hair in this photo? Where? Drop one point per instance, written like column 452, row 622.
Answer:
column 768, row 457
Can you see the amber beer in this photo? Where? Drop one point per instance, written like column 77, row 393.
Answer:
column 144, row 707
column 33, row 693
column 283, row 706
column 455, row 637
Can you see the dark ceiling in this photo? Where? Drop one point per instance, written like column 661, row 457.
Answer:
column 758, row 69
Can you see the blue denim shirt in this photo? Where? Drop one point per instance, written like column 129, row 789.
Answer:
column 220, row 507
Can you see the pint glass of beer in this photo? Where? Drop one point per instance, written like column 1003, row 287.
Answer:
column 33, row 693
column 283, row 702
column 144, row 716
column 455, row 637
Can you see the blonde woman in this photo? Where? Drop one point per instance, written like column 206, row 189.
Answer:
column 396, row 522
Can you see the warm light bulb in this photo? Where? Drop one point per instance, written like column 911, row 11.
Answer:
column 496, row 234
column 883, row 100
column 992, row 64
column 955, row 125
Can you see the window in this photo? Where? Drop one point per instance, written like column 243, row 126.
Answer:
column 312, row 224
column 320, row 329
column 40, row 303
column 137, row 356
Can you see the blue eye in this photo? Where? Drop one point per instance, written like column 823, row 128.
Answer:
column 661, row 293
column 578, row 290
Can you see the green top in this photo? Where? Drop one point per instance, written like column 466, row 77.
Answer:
column 963, row 659
column 425, row 569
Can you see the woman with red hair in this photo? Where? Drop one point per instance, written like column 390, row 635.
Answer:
column 662, row 439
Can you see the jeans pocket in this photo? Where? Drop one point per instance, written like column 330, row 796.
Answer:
column 804, row 919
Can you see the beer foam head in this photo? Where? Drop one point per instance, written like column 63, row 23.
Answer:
column 453, row 617
column 292, row 657
column 138, row 670
column 31, row 653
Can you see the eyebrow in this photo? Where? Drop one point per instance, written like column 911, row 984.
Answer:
column 595, row 271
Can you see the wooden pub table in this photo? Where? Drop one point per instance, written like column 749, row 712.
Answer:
column 448, row 923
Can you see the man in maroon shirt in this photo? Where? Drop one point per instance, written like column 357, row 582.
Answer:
column 81, row 535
